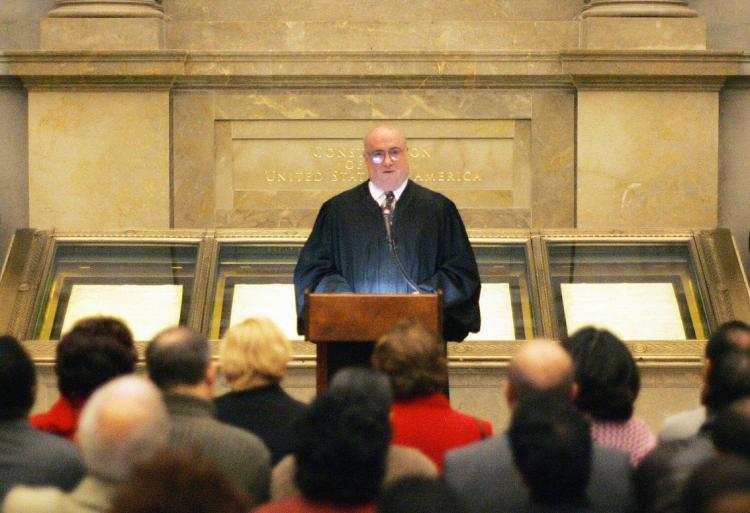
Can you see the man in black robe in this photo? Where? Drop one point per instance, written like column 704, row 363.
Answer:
column 349, row 248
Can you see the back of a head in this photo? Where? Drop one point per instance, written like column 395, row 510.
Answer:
column 551, row 445
column 177, row 356
column 541, row 365
column 171, row 482
column 413, row 358
column 341, row 447
column 730, row 335
column 17, row 380
column 418, row 494
column 94, row 351
column 254, row 353
column 606, row 373
column 727, row 380
column 371, row 385
column 719, row 485
column 122, row 423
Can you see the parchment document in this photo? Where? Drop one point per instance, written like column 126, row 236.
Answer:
column 632, row 311
column 272, row 300
column 146, row 309
column 496, row 308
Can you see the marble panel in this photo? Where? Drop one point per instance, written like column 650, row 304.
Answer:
column 734, row 179
column 99, row 160
column 371, row 11
column 280, row 35
column 14, row 178
column 647, row 160
column 102, row 34
column 553, row 159
column 193, row 159
column 270, row 159
column 643, row 33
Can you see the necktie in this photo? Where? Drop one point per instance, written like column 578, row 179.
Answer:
column 388, row 206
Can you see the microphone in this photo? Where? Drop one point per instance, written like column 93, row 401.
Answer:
column 394, row 252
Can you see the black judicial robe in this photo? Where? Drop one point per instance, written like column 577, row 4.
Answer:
column 348, row 251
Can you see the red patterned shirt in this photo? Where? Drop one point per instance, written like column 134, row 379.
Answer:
column 632, row 436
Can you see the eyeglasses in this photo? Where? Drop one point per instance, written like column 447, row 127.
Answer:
column 377, row 157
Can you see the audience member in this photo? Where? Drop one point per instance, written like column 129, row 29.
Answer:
column 171, row 482
column 122, row 423
column 372, row 387
column 341, row 445
column 719, row 485
column 414, row 359
column 730, row 429
column 661, row 477
column 730, row 335
column 419, row 495
column 551, row 446
column 28, row 456
column 94, row 351
column 484, row 475
column 253, row 357
column 608, row 385
column 178, row 360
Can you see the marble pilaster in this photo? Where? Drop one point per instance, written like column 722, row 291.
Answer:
column 629, row 8
column 104, row 25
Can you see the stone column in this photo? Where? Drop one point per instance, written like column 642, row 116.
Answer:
column 627, row 8
column 641, row 25
column 104, row 25
column 107, row 9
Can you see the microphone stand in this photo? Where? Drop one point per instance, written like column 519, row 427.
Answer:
column 394, row 253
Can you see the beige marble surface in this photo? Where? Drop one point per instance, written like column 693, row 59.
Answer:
column 277, row 157
column 112, row 34
column 643, row 33
column 99, row 160
column 647, row 159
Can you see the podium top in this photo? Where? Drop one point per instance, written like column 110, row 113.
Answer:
column 365, row 317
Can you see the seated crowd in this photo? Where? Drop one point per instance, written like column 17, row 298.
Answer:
column 383, row 439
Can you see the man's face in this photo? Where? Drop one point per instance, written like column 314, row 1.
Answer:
column 386, row 143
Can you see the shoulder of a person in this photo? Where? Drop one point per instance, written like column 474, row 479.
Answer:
column 28, row 499
column 488, row 448
column 610, row 455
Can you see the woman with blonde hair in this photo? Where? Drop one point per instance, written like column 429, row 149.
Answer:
column 253, row 358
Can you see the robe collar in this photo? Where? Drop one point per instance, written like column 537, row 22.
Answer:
column 378, row 194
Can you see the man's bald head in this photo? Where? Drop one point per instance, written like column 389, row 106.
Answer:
column 178, row 356
column 540, row 366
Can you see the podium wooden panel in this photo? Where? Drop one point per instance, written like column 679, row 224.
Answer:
column 333, row 319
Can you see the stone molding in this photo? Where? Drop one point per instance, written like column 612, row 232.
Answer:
column 107, row 9
column 638, row 8
column 642, row 70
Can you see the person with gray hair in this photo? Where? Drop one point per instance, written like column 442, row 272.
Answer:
column 124, row 422
column 179, row 361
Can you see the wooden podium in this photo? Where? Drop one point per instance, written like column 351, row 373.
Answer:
column 334, row 321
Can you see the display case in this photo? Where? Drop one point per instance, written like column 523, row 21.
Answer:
column 661, row 292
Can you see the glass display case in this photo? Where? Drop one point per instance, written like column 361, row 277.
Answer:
column 662, row 293
column 637, row 289
column 508, row 300
column 254, row 278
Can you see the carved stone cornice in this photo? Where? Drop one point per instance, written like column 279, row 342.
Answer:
column 694, row 70
column 689, row 70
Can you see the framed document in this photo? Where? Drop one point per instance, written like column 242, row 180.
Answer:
column 632, row 311
column 496, row 307
column 145, row 309
column 638, row 290
column 272, row 300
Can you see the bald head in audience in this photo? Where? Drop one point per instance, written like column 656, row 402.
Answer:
column 124, row 422
column 540, row 365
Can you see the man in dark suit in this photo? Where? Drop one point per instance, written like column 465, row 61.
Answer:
column 28, row 456
column 484, row 475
